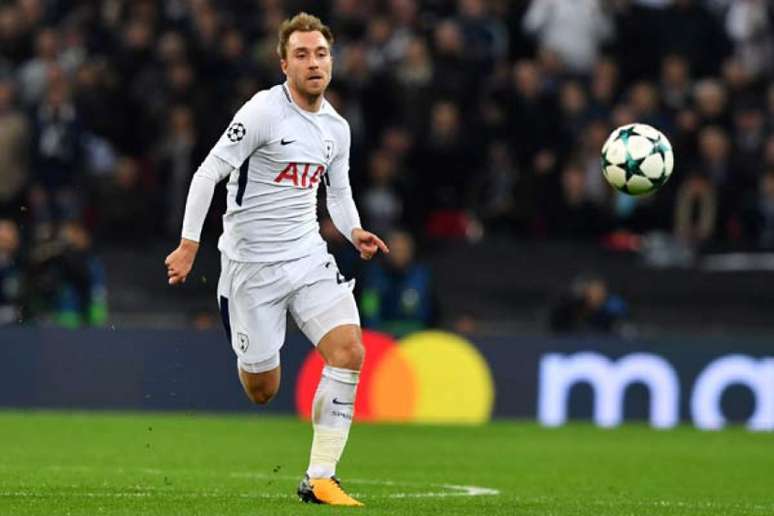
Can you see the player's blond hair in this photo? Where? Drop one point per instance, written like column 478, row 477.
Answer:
column 302, row 22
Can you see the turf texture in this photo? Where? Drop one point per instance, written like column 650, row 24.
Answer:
column 157, row 463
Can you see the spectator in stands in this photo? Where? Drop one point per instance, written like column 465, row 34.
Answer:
column 14, row 148
column 637, row 21
column 126, row 213
column 496, row 190
column 676, row 84
column 749, row 140
column 57, row 153
column 573, row 111
column 645, row 103
column 529, row 113
column 99, row 105
column 714, row 152
column 34, row 74
column 715, row 164
column 604, row 86
column 759, row 213
column 573, row 214
column 486, row 38
column 592, row 138
column 14, row 36
column 455, row 93
column 382, row 202
column 414, row 76
column 741, row 84
column 711, row 101
column 588, row 307
column 68, row 281
column 750, row 25
column 397, row 293
column 177, row 158
column 696, row 210
column 452, row 77
column 377, row 38
column 574, row 30
column 444, row 168
column 10, row 274
column 688, row 28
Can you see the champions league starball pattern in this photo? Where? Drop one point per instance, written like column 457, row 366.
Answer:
column 637, row 159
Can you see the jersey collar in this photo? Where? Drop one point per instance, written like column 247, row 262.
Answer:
column 289, row 97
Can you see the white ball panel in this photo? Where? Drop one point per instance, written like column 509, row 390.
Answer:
column 638, row 185
column 616, row 176
column 607, row 142
column 669, row 163
column 653, row 166
column 616, row 152
column 639, row 147
column 647, row 131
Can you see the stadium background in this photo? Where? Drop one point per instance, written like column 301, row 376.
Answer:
column 476, row 134
column 520, row 287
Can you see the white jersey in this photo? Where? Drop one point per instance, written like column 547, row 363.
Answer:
column 280, row 154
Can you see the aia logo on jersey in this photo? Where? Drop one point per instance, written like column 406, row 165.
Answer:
column 302, row 175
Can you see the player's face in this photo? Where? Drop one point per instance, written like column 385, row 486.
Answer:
column 308, row 63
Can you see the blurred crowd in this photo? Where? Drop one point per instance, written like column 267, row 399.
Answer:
column 469, row 118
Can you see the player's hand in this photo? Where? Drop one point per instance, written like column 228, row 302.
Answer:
column 180, row 261
column 367, row 243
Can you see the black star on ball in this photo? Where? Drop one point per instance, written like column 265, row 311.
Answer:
column 236, row 132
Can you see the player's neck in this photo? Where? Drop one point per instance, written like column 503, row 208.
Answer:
column 310, row 103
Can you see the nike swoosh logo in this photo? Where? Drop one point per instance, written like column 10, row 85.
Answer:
column 337, row 402
column 283, row 142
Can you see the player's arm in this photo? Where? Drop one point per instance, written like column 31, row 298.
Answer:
column 247, row 131
column 342, row 209
column 210, row 173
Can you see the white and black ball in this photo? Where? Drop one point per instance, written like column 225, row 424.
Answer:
column 637, row 159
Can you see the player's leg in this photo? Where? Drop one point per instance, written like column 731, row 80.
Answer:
column 326, row 312
column 254, row 318
column 334, row 400
column 342, row 346
column 260, row 388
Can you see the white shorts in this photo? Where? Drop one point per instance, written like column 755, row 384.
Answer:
column 254, row 299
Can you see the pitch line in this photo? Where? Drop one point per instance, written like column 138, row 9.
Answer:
column 450, row 489
column 692, row 506
column 436, row 490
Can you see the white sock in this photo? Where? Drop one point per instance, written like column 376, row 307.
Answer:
column 332, row 411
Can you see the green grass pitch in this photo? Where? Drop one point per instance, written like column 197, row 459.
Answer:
column 157, row 463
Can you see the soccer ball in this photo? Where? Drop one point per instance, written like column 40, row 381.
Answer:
column 637, row 159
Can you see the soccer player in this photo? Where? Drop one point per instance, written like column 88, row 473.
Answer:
column 279, row 147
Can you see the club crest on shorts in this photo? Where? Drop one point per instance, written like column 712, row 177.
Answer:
column 329, row 147
column 242, row 342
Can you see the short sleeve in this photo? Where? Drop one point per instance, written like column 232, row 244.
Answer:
column 248, row 130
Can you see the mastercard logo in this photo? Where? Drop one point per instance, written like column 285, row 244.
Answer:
column 426, row 377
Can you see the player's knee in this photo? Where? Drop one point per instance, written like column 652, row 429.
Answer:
column 348, row 354
column 260, row 394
